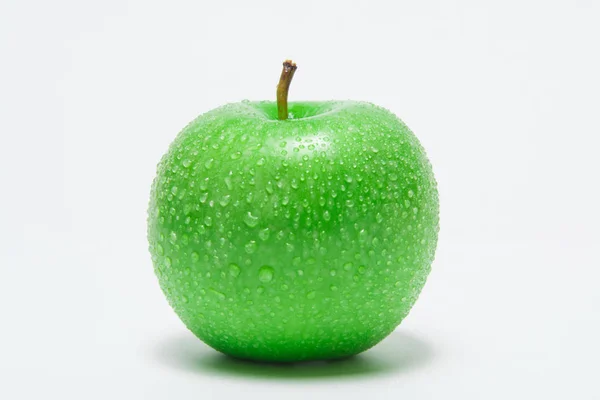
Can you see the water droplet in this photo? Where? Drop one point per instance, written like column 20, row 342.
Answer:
column 225, row 200
column 160, row 250
column 209, row 163
column 195, row 256
column 263, row 234
column 348, row 178
column 333, row 288
column 220, row 295
column 333, row 272
column 260, row 289
column 168, row 262
column 228, row 183
column 311, row 295
column 398, row 284
column 269, row 187
column 208, row 220
column 362, row 269
column 236, row 155
column 251, row 247
column 185, row 299
column 411, row 193
column 261, row 161
column 234, row 270
column 265, row 273
column 289, row 247
column 393, row 177
column 362, row 236
column 203, row 197
column 250, row 220
column 379, row 218
column 326, row 215
column 300, row 272
column 348, row 266
column 186, row 163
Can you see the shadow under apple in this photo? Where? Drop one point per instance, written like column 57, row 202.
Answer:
column 399, row 352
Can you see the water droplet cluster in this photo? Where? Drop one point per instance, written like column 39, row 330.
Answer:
column 304, row 239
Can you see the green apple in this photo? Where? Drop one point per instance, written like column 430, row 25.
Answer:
column 300, row 238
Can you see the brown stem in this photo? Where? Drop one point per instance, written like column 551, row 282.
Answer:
column 283, row 87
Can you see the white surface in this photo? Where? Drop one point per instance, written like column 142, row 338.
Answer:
column 503, row 95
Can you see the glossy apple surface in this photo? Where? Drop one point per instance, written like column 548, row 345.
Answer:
column 303, row 239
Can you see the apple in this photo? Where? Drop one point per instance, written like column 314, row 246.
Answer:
column 289, row 232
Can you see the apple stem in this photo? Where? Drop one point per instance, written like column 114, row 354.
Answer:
column 283, row 87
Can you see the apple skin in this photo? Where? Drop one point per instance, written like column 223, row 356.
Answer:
column 303, row 239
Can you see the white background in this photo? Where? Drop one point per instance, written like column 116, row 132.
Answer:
column 505, row 97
